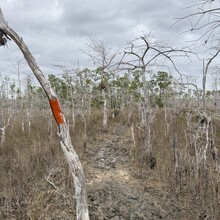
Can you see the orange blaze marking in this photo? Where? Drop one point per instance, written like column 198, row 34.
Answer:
column 55, row 106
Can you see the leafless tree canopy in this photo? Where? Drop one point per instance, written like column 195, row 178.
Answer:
column 100, row 53
column 146, row 52
column 205, row 18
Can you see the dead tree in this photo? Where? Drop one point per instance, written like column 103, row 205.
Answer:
column 205, row 22
column 3, row 131
column 102, row 55
column 205, row 18
column 144, row 54
column 204, row 78
column 75, row 166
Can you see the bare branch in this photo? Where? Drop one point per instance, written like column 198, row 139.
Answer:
column 145, row 54
column 100, row 53
column 197, row 22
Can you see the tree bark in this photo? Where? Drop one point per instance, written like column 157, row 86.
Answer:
column 205, row 72
column 65, row 140
column 105, row 113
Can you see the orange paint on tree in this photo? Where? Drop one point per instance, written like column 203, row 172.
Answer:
column 55, row 106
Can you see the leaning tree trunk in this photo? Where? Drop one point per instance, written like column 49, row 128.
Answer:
column 65, row 140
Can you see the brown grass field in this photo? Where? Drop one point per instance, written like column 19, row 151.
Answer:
column 35, row 182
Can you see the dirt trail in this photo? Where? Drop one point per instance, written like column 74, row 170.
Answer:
column 115, row 190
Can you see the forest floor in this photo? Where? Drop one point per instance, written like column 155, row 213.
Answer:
column 117, row 189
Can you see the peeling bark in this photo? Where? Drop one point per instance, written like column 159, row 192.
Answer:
column 65, row 141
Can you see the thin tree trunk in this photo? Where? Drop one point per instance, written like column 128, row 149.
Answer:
column 205, row 72
column 105, row 113
column 175, row 153
column 3, row 131
column 65, row 141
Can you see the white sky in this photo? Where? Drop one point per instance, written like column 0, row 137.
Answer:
column 56, row 30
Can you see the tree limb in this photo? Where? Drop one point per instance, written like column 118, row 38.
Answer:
column 65, row 141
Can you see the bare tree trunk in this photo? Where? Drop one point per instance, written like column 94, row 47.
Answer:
column 205, row 72
column 3, row 131
column 204, row 85
column 133, row 138
column 73, row 113
column 105, row 113
column 65, row 141
column 175, row 154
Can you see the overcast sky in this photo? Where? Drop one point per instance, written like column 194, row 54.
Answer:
column 56, row 30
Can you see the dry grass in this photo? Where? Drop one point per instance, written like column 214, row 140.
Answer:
column 24, row 159
column 35, row 183
column 197, row 195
